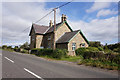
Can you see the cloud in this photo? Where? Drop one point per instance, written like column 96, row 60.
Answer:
column 18, row 16
column 106, row 12
column 98, row 29
column 97, row 6
column 13, row 44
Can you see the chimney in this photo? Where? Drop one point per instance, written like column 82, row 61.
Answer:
column 63, row 18
column 50, row 24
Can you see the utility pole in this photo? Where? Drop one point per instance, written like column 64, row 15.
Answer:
column 54, row 31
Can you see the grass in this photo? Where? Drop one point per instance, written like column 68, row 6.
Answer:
column 97, row 63
column 88, row 62
column 8, row 50
column 72, row 58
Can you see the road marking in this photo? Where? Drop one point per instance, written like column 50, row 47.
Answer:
column 33, row 74
column 9, row 60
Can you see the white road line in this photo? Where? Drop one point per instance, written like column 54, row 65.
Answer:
column 9, row 60
column 33, row 74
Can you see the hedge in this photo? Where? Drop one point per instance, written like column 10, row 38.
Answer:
column 57, row 53
column 81, row 51
column 93, row 53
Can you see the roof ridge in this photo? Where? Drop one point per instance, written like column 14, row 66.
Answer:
column 40, row 25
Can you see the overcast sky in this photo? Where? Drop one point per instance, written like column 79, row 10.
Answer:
column 97, row 20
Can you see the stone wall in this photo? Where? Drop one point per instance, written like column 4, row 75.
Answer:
column 61, row 30
column 39, row 41
column 48, row 40
column 32, row 39
column 78, row 39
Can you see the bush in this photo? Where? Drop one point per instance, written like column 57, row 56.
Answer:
column 4, row 47
column 9, row 47
column 58, row 53
column 24, row 51
column 100, row 48
column 17, row 49
column 93, row 54
column 82, row 51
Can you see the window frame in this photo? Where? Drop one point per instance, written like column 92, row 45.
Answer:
column 73, row 46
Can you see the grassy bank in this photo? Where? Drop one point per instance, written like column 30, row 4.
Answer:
column 90, row 56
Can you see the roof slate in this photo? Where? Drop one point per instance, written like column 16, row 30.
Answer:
column 40, row 29
column 52, row 28
column 67, row 36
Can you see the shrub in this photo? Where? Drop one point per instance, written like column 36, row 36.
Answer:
column 9, row 47
column 100, row 48
column 93, row 54
column 17, row 49
column 58, row 53
column 24, row 51
column 4, row 47
column 34, row 51
column 82, row 51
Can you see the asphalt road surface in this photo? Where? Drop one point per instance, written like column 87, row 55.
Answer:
column 18, row 65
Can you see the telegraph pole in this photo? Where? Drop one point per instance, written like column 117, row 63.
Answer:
column 54, row 31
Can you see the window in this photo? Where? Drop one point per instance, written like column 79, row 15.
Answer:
column 73, row 46
column 82, row 44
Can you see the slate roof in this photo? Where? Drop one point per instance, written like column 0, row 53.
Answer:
column 52, row 28
column 67, row 36
column 39, row 29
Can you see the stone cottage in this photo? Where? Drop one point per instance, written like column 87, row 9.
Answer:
column 65, row 38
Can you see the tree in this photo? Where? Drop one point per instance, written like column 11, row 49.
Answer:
column 105, row 47
column 16, row 47
column 25, row 46
column 95, row 44
column 4, row 47
column 9, row 47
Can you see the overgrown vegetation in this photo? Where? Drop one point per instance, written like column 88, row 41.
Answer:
column 21, row 48
column 100, row 56
column 58, row 53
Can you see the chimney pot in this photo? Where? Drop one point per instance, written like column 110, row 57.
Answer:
column 50, row 24
column 63, row 18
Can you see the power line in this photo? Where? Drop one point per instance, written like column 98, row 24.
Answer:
column 64, row 4
column 48, row 14
column 43, row 17
column 53, row 10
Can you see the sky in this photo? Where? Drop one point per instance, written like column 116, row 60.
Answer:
column 97, row 20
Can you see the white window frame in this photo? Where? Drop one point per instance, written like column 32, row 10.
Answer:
column 73, row 46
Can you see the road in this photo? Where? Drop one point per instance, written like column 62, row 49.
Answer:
column 18, row 65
